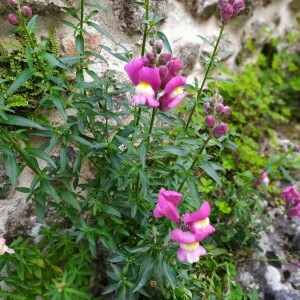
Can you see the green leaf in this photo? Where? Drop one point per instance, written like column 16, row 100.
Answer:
column 144, row 274
column 10, row 162
column 165, row 41
column 69, row 198
column 79, row 42
column 207, row 167
column 40, row 203
column 143, row 153
column 36, row 152
column 101, row 30
column 112, row 288
column 174, row 150
column 112, row 211
column 20, row 121
column 32, row 24
column 20, row 80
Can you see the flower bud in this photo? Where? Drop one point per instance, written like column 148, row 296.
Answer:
column 297, row 148
column 13, row 3
column 210, row 121
column 151, row 42
column 226, row 110
column 26, row 10
column 13, row 19
column 212, row 101
column 226, row 13
column 158, row 46
column 175, row 66
column 219, row 107
column 220, row 130
column 164, row 58
column 238, row 6
column 163, row 72
column 150, row 56
column 207, row 106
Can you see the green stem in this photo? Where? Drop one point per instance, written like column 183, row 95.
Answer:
column 195, row 161
column 147, row 9
column 204, row 79
column 154, row 110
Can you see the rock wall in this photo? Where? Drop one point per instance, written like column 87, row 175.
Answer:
column 184, row 20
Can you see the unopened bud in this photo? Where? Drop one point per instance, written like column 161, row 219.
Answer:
column 151, row 42
column 175, row 66
column 226, row 110
column 219, row 107
column 158, row 46
column 13, row 3
column 207, row 106
column 210, row 121
column 163, row 72
column 220, row 130
column 164, row 58
column 150, row 56
column 297, row 148
column 13, row 19
column 26, row 11
column 212, row 101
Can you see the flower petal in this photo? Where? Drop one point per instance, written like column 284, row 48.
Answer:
column 133, row 67
column 171, row 196
column 151, row 76
column 201, row 214
column 2, row 241
column 181, row 254
column 157, row 213
column 174, row 83
column 183, row 237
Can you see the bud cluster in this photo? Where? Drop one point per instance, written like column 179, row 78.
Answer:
column 230, row 8
column 168, row 65
column 19, row 12
column 216, row 111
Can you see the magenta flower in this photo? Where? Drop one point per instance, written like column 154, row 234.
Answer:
column 295, row 212
column 230, row 8
column 13, row 19
column 4, row 248
column 290, row 194
column 198, row 221
column 147, row 82
column 263, row 178
column 220, row 130
column 173, row 93
column 210, row 121
column 26, row 11
column 167, row 205
column 190, row 248
column 174, row 66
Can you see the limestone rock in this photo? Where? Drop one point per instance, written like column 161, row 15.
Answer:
column 294, row 5
column 201, row 9
column 189, row 54
column 129, row 15
column 42, row 7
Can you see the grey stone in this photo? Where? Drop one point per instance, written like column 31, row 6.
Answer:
column 294, row 5
column 42, row 7
column 201, row 9
column 188, row 53
column 130, row 15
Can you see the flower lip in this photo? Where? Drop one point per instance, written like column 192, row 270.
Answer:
column 201, row 214
column 151, row 76
column 133, row 67
column 183, row 237
column 174, row 83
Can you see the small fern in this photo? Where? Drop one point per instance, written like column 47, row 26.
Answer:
column 16, row 101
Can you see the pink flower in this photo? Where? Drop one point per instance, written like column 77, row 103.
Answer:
column 173, row 93
column 198, row 221
column 295, row 212
column 4, row 248
column 26, row 11
column 147, row 81
column 190, row 248
column 220, row 130
column 230, row 8
column 13, row 19
column 263, row 178
column 210, row 121
column 166, row 206
column 290, row 194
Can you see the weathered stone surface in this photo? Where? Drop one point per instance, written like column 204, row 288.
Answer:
column 130, row 15
column 44, row 7
column 201, row 9
column 272, row 270
column 189, row 54
column 294, row 5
